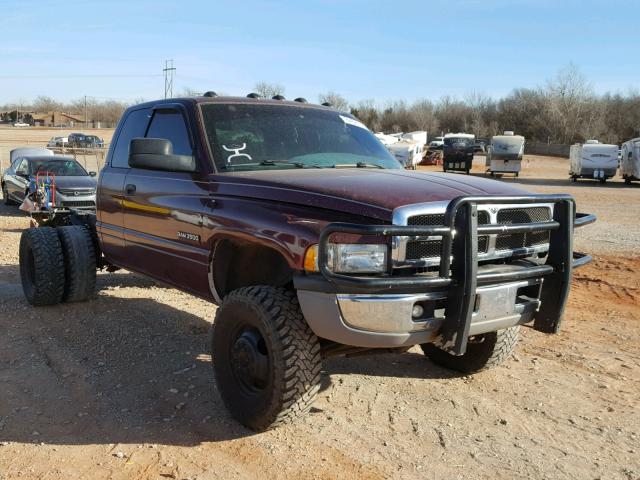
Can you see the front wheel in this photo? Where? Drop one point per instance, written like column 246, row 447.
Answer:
column 266, row 359
column 483, row 351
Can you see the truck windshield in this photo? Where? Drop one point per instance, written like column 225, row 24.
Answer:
column 257, row 137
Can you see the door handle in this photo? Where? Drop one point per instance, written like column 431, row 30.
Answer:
column 130, row 189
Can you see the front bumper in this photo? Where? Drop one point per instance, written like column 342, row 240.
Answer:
column 87, row 202
column 373, row 320
column 462, row 299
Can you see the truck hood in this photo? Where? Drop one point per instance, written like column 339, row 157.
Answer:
column 75, row 182
column 369, row 192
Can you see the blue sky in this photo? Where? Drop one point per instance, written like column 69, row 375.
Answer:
column 361, row 49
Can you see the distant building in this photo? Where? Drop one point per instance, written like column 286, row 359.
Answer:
column 57, row 119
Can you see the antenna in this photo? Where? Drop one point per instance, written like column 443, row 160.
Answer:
column 169, row 71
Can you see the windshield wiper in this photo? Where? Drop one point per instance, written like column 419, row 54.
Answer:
column 357, row 165
column 266, row 163
column 281, row 162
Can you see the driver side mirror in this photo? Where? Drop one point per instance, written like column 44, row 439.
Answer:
column 157, row 154
column 92, row 174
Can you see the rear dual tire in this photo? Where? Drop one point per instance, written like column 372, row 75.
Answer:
column 79, row 263
column 41, row 266
column 57, row 265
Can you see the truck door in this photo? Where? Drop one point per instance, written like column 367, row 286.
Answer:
column 110, row 221
column 164, row 211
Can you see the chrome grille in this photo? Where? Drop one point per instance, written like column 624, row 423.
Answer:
column 509, row 216
column 431, row 248
column 523, row 215
column 76, row 191
column 438, row 219
column 426, row 251
column 79, row 204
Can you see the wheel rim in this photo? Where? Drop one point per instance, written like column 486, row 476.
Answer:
column 250, row 360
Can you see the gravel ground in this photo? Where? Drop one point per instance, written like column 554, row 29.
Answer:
column 121, row 386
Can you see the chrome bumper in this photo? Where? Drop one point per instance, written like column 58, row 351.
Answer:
column 388, row 320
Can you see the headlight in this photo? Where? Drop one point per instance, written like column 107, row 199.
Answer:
column 350, row 258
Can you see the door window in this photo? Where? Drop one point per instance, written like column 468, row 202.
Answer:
column 169, row 124
column 134, row 127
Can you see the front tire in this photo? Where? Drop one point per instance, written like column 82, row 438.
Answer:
column 266, row 359
column 41, row 266
column 483, row 351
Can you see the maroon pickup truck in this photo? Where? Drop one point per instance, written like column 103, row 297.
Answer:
column 312, row 240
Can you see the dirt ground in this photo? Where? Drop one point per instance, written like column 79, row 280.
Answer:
column 121, row 387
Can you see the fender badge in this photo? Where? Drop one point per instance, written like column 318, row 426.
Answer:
column 189, row 236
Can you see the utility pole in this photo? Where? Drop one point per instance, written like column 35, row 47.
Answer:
column 169, row 71
column 85, row 112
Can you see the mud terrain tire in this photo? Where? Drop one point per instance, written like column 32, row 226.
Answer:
column 266, row 359
column 483, row 351
column 79, row 262
column 41, row 266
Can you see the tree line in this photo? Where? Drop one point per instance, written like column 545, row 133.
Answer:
column 107, row 112
column 565, row 110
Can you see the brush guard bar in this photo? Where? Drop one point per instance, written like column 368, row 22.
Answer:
column 460, row 277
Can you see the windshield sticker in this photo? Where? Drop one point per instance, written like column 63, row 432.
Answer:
column 236, row 149
column 353, row 122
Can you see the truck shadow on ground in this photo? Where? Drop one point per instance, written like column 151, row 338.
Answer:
column 119, row 369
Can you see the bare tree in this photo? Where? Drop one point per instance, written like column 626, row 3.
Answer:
column 336, row 100
column 189, row 92
column 568, row 94
column 268, row 90
column 423, row 117
column 44, row 104
column 368, row 114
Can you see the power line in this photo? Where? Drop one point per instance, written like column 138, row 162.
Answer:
column 108, row 75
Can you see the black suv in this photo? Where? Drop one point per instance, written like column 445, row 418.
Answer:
column 80, row 140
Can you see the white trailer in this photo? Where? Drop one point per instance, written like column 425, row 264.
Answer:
column 593, row 159
column 409, row 154
column 630, row 160
column 419, row 136
column 505, row 154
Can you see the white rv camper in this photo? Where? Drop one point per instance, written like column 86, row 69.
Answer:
column 409, row 154
column 505, row 154
column 593, row 159
column 630, row 161
column 387, row 139
column 419, row 136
